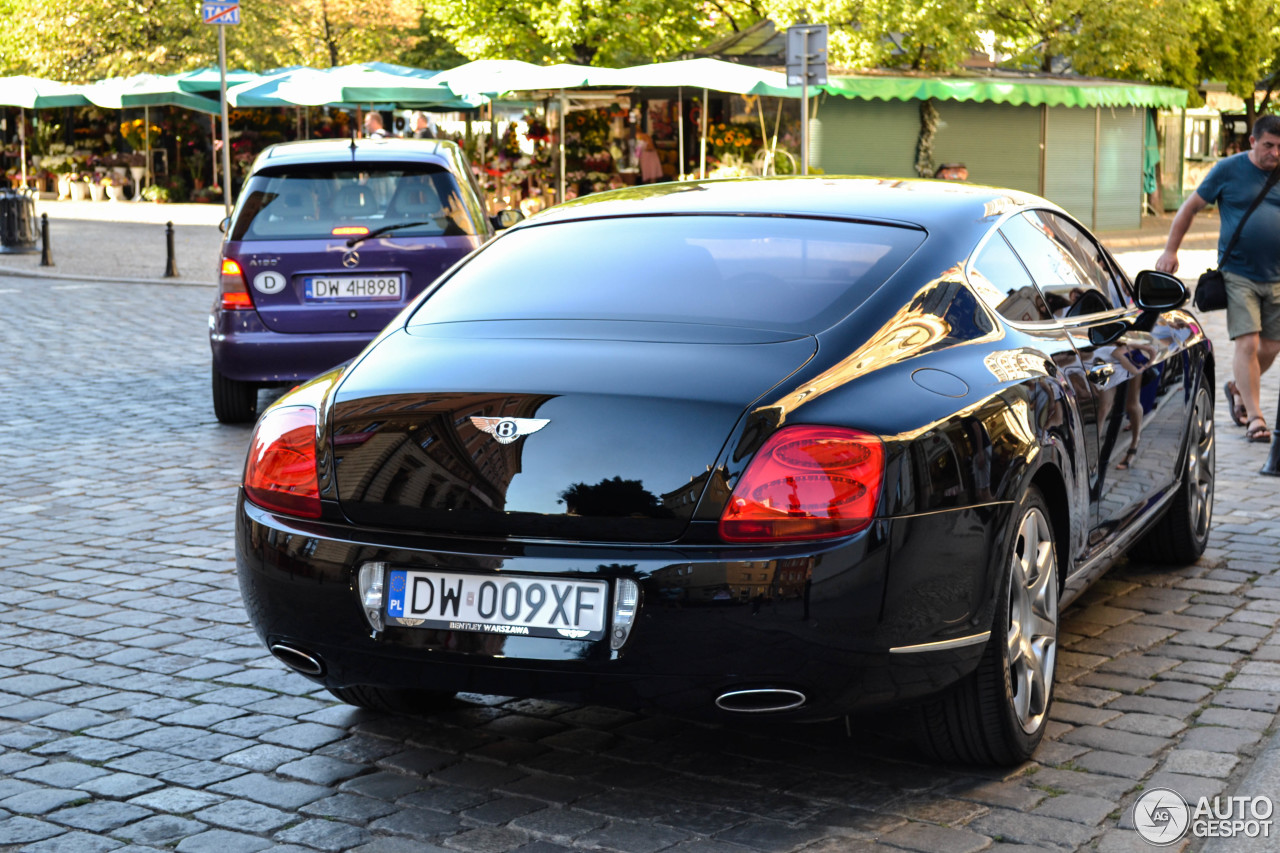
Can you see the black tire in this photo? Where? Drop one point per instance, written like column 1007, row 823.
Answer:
column 388, row 700
column 1181, row 534
column 234, row 402
column 998, row 713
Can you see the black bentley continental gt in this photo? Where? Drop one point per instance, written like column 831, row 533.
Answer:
column 790, row 448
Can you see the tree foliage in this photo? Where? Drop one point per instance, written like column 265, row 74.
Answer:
column 1239, row 42
column 83, row 40
column 587, row 32
column 921, row 35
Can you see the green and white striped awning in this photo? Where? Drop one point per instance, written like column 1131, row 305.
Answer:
column 1032, row 91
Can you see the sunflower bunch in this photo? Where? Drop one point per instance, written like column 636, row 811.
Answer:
column 735, row 139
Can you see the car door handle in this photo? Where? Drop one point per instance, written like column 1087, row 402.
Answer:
column 1100, row 373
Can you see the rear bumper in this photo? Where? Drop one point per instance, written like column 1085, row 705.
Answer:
column 246, row 350
column 711, row 621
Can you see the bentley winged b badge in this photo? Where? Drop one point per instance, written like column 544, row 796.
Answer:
column 507, row 430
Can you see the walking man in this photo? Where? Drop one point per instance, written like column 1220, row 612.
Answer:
column 1252, row 272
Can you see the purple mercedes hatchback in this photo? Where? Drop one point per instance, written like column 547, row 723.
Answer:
column 328, row 241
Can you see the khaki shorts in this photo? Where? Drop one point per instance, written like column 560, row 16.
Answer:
column 1252, row 306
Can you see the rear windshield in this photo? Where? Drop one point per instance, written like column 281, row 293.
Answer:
column 790, row 274
column 312, row 201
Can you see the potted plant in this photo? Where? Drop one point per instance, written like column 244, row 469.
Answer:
column 97, row 191
column 156, row 193
column 78, row 187
column 114, row 187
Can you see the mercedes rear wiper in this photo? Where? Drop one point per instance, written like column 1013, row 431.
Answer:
column 385, row 228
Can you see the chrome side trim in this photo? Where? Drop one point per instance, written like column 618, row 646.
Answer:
column 942, row 645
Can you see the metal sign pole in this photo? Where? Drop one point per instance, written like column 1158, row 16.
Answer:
column 806, row 63
column 804, row 102
column 226, row 124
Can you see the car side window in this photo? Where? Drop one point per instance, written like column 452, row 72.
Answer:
column 1073, row 284
column 1092, row 257
column 1000, row 279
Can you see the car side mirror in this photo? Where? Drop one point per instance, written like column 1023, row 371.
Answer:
column 224, row 224
column 1158, row 291
column 507, row 218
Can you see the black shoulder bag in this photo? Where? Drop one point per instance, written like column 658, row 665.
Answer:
column 1211, row 289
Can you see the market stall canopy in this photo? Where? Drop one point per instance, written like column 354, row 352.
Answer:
column 704, row 73
column 146, row 90
column 35, row 93
column 363, row 85
column 207, row 79
column 265, row 90
column 495, row 76
column 379, row 84
column 1033, row 91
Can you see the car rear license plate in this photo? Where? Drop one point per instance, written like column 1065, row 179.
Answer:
column 324, row 288
column 519, row 605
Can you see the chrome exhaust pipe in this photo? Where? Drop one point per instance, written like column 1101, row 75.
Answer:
column 761, row 700
column 303, row 662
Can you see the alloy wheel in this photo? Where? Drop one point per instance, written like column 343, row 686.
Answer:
column 1200, row 466
column 1032, row 640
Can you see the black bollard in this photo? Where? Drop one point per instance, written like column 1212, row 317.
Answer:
column 46, row 256
column 171, row 265
column 1272, row 467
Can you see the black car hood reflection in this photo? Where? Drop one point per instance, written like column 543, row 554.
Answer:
column 637, row 415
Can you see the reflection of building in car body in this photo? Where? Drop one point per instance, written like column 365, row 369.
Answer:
column 438, row 467
column 770, row 580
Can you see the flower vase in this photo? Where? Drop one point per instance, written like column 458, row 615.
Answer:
column 79, row 190
column 115, row 192
column 139, row 173
column 64, row 187
column 97, row 192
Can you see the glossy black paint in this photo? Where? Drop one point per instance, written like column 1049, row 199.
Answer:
column 972, row 409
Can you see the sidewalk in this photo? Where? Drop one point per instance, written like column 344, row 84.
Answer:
column 125, row 241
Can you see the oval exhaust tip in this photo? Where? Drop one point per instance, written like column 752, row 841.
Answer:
column 305, row 663
column 763, row 700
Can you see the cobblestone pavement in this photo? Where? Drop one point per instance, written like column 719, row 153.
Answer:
column 138, row 712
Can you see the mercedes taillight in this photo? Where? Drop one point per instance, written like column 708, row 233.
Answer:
column 233, row 292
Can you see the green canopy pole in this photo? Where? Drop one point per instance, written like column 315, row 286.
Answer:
column 702, row 159
column 564, row 124
column 22, row 142
column 146, row 146
column 213, row 149
column 680, row 126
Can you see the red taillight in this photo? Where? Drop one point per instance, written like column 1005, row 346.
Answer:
column 349, row 230
column 233, row 291
column 281, row 472
column 807, row 482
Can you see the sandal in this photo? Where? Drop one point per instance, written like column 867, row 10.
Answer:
column 1235, row 405
column 1259, row 434
column 1126, row 461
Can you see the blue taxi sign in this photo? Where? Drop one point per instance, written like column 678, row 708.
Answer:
column 220, row 11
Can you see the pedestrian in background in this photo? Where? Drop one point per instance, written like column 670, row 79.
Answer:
column 422, row 128
column 1252, row 272
column 373, row 127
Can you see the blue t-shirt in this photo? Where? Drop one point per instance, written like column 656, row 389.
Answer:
column 1234, row 182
